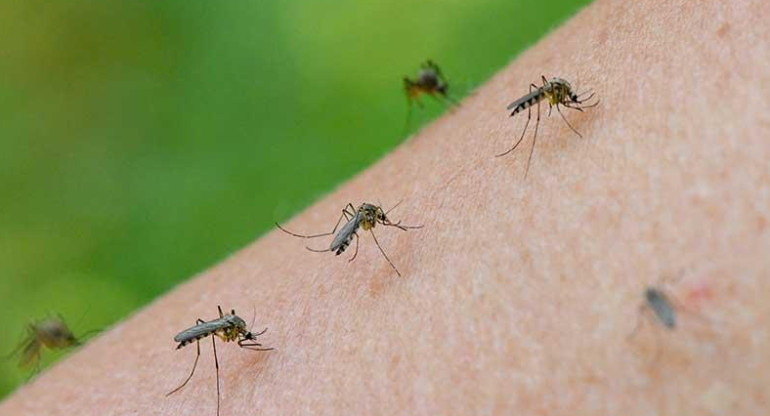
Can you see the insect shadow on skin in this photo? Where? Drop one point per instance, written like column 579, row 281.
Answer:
column 51, row 332
column 228, row 327
column 556, row 92
column 429, row 81
column 365, row 217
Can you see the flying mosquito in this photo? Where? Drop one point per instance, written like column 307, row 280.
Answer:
column 228, row 327
column 556, row 92
column 429, row 81
column 366, row 217
column 52, row 333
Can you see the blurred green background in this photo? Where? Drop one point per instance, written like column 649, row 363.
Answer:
column 141, row 142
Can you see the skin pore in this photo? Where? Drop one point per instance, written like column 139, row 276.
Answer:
column 518, row 296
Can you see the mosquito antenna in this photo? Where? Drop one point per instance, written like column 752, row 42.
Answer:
column 383, row 253
column 254, row 319
column 393, row 207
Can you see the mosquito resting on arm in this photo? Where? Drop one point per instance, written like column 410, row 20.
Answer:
column 365, row 217
column 556, row 92
column 228, row 327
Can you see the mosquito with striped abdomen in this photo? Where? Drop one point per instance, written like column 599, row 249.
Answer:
column 556, row 92
column 365, row 217
column 430, row 81
column 228, row 327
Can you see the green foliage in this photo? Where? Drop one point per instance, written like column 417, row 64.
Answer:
column 144, row 141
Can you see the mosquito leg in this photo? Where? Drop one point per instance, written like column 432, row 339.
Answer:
column 565, row 120
column 22, row 342
column 529, row 117
column 216, row 364
column 383, row 253
column 534, row 140
column 314, row 235
column 355, row 253
column 409, row 106
column 450, row 100
column 195, row 364
column 248, row 345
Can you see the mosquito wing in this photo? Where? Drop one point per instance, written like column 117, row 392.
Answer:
column 346, row 233
column 200, row 330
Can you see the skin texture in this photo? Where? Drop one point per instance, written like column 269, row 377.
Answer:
column 518, row 297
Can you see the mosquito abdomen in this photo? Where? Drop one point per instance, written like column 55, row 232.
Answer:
column 526, row 101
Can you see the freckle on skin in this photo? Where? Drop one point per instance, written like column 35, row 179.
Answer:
column 722, row 31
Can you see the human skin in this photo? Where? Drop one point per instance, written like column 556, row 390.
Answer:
column 518, row 296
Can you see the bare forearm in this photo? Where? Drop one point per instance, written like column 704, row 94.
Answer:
column 518, row 295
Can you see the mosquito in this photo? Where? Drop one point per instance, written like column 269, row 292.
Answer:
column 430, row 81
column 366, row 217
column 556, row 92
column 228, row 327
column 52, row 333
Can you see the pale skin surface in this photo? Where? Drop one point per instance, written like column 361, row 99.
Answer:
column 518, row 297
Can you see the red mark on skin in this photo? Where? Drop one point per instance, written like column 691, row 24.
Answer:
column 699, row 293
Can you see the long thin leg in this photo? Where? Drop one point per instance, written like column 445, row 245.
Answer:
column 409, row 106
column 348, row 216
column 580, row 105
column 247, row 345
column 534, row 140
column 450, row 100
column 344, row 214
column 24, row 340
column 355, row 253
column 565, row 120
column 36, row 369
column 529, row 117
column 195, row 364
column 383, row 253
column 216, row 364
